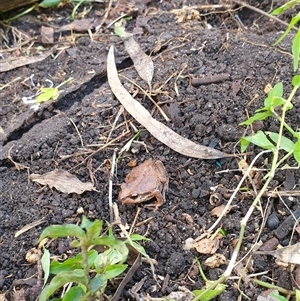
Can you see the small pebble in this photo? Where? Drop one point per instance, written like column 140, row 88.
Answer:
column 273, row 221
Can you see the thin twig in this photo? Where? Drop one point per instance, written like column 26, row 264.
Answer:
column 263, row 13
column 78, row 133
column 110, row 183
column 246, row 173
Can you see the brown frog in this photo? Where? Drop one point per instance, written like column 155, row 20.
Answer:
column 146, row 181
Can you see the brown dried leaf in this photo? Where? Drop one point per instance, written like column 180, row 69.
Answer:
column 215, row 260
column 78, row 25
column 142, row 62
column 207, row 246
column 15, row 62
column 157, row 129
column 62, row 181
column 47, row 34
column 217, row 211
column 289, row 254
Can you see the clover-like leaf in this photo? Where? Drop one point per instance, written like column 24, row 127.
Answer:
column 47, row 94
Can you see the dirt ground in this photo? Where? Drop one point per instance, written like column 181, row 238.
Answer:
column 212, row 43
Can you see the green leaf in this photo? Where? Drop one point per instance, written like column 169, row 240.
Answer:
column 272, row 103
column 134, row 237
column 293, row 22
column 211, row 293
column 285, row 143
column 93, row 229
column 276, row 92
column 260, row 139
column 296, row 81
column 113, row 243
column 47, row 94
column 75, row 293
column 98, row 283
column 45, row 261
column 60, row 280
column 296, row 49
column 138, row 247
column 119, row 29
column 114, row 270
column 297, row 151
column 56, row 231
column 72, row 263
column 297, row 295
column 244, row 144
column 49, row 3
column 257, row 116
column 106, row 258
column 284, row 7
column 278, row 297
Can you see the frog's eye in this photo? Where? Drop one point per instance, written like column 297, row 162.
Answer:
column 134, row 195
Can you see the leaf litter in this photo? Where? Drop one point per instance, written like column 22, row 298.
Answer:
column 289, row 254
column 63, row 181
column 157, row 129
column 143, row 63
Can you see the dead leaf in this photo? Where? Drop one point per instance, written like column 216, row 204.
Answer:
column 79, row 25
column 289, row 254
column 32, row 256
column 207, row 246
column 15, row 62
column 47, row 34
column 29, row 226
column 268, row 295
column 157, row 129
column 143, row 63
column 217, row 211
column 215, row 261
column 63, row 181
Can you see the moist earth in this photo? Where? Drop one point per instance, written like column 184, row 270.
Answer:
column 66, row 133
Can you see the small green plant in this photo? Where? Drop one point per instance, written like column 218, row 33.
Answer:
column 48, row 4
column 273, row 104
column 293, row 22
column 89, row 269
column 207, row 294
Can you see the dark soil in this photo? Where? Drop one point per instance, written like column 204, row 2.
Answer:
column 47, row 139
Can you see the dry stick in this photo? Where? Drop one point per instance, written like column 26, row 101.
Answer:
column 110, row 183
column 210, row 79
column 101, row 148
column 120, row 112
column 149, row 96
column 244, row 221
column 78, row 133
column 246, row 174
column 262, row 13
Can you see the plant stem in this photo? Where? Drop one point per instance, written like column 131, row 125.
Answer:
column 244, row 221
column 282, row 117
column 84, row 252
column 272, row 286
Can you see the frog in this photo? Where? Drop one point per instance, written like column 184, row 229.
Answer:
column 146, row 181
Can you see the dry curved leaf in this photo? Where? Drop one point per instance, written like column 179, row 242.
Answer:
column 62, row 181
column 207, row 246
column 143, row 63
column 217, row 211
column 289, row 254
column 157, row 129
column 215, row 260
